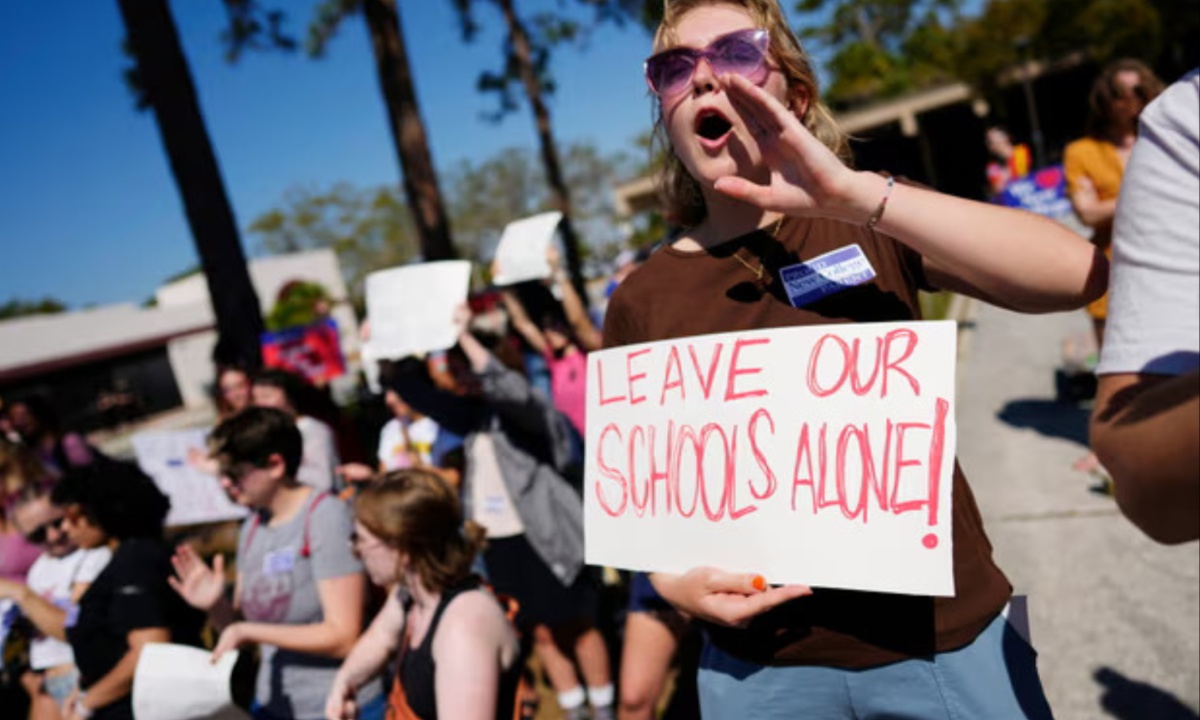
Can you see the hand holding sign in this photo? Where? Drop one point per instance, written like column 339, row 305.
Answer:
column 723, row 598
column 521, row 254
column 410, row 307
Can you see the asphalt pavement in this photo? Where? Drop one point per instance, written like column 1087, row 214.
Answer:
column 1114, row 616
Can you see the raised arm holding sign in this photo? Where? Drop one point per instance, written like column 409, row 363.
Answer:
column 410, row 307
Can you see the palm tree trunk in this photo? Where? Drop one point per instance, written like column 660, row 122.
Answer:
column 559, row 194
column 408, row 132
column 167, row 82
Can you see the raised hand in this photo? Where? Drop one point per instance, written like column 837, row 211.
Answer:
column 462, row 318
column 807, row 179
column 197, row 583
column 732, row 599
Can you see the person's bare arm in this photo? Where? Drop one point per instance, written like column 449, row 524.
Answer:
column 521, row 322
column 1089, row 208
column 1018, row 259
column 341, row 608
column 577, row 315
column 1145, row 431
column 119, row 681
column 468, row 654
column 47, row 617
column 369, row 655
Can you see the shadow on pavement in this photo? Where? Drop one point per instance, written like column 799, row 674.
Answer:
column 1050, row 418
column 1132, row 700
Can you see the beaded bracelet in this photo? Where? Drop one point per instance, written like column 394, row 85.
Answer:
column 887, row 193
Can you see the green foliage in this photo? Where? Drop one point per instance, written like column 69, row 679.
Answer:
column 546, row 31
column 251, row 27
column 486, row 196
column 369, row 228
column 300, row 304
column 17, row 307
column 882, row 48
column 1010, row 30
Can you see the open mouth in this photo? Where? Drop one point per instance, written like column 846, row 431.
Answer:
column 712, row 126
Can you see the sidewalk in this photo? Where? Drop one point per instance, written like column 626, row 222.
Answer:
column 1114, row 616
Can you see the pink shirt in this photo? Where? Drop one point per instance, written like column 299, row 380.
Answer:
column 568, row 383
column 16, row 556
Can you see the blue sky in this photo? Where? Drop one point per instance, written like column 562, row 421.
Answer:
column 89, row 211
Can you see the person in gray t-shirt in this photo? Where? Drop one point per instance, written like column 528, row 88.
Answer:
column 299, row 587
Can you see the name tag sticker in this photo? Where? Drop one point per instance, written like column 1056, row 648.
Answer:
column 833, row 272
column 278, row 562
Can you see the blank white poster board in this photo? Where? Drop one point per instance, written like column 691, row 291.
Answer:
column 521, row 254
column 178, row 682
column 411, row 308
column 821, row 456
column 196, row 496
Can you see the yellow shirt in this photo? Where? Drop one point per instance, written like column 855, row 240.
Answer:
column 1098, row 161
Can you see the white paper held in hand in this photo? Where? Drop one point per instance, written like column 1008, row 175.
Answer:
column 178, row 682
column 521, row 254
column 196, row 496
column 412, row 308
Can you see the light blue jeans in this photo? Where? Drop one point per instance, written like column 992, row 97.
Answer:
column 993, row 678
column 60, row 687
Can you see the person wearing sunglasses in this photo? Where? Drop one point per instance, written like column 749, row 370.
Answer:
column 59, row 577
column 299, row 592
column 756, row 179
column 1094, row 166
column 114, row 505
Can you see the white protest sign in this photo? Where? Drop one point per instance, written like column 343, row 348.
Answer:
column 521, row 254
column 178, row 682
column 411, row 308
column 821, row 456
column 196, row 496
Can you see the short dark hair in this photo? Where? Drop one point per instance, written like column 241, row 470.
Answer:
column 254, row 435
column 117, row 497
column 289, row 383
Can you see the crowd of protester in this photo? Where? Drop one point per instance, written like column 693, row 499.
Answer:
column 425, row 579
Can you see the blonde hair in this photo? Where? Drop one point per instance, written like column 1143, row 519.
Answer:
column 679, row 191
column 417, row 513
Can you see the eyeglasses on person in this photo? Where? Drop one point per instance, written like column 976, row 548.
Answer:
column 743, row 52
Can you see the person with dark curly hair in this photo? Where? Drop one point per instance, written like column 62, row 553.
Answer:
column 129, row 604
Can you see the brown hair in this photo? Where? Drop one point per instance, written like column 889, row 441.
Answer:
column 20, row 469
column 680, row 192
column 417, row 513
column 1105, row 92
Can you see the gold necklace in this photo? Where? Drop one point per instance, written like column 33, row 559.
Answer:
column 758, row 271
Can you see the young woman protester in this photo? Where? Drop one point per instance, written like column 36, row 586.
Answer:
column 457, row 656
column 299, row 589
column 56, row 582
column 755, row 179
column 115, row 505
column 1094, row 166
column 517, row 445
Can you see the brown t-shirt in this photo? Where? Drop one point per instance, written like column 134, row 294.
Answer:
column 682, row 294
